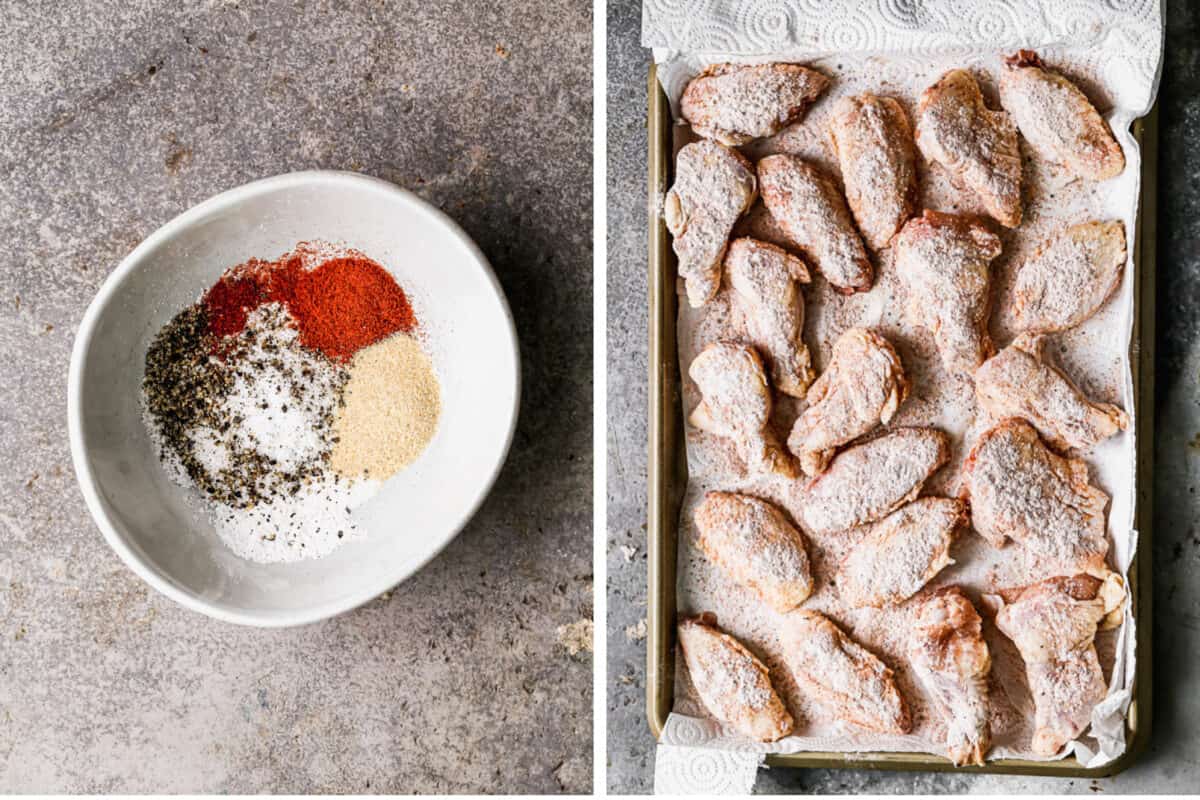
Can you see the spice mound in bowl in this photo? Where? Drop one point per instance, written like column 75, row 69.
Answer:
column 287, row 394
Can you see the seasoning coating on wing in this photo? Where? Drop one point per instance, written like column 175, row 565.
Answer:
column 1069, row 278
column 862, row 387
column 943, row 262
column 1058, row 120
column 737, row 405
column 765, row 281
column 733, row 685
column 902, row 553
column 868, row 481
column 976, row 145
column 841, row 676
column 952, row 661
column 874, row 145
column 1053, row 624
column 752, row 542
column 810, row 210
column 713, row 187
column 1018, row 383
column 735, row 103
column 1017, row 488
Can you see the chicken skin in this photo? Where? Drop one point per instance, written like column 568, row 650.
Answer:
column 1069, row 278
column 976, row 145
column 1058, row 120
column 1019, row 383
column 732, row 684
column 1019, row 489
column 752, row 542
column 809, row 208
column 737, row 406
column 901, row 553
column 874, row 145
column 735, row 103
column 765, row 281
column 868, row 481
column 841, row 676
column 943, row 262
column 951, row 659
column 713, row 187
column 1053, row 624
column 862, row 387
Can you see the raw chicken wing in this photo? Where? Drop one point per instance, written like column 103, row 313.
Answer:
column 713, row 187
column 734, row 103
column 862, row 387
column 765, row 280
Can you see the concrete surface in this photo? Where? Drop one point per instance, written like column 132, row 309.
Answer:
column 1172, row 762
column 116, row 116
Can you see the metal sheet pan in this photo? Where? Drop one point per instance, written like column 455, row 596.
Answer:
column 667, row 475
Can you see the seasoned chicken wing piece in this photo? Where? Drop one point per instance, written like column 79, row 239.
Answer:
column 1018, row 489
column 765, row 280
column 752, row 542
column 868, row 481
column 734, row 103
column 811, row 211
column 943, row 262
column 976, row 145
column 1058, row 119
column 902, row 553
column 842, row 676
column 874, row 146
column 1018, row 383
column 1069, row 278
column 713, row 187
column 951, row 659
column 737, row 405
column 862, row 387
column 1053, row 624
column 732, row 684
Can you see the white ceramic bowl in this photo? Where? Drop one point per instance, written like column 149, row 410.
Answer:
column 150, row 522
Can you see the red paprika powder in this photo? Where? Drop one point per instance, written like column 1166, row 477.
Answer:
column 340, row 306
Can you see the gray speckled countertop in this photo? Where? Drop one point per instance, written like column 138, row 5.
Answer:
column 114, row 117
column 1172, row 760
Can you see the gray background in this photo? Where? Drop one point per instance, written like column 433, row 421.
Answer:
column 116, row 116
column 1172, row 761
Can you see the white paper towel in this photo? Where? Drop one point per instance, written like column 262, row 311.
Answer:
column 1116, row 44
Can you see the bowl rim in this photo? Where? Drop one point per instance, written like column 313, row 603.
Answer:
column 83, row 338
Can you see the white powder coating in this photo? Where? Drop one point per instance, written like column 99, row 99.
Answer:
column 766, row 279
column 734, row 103
column 810, row 209
column 868, row 481
column 733, row 684
column 1019, row 383
column 1094, row 354
column 756, row 546
column 713, row 187
column 976, row 145
column 1058, row 120
column 841, row 675
column 1069, row 278
column 861, row 388
column 952, row 662
column 737, row 405
column 943, row 262
column 901, row 553
column 1053, row 624
column 1021, row 490
column 874, row 146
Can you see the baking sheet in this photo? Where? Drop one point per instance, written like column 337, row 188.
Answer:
column 1094, row 354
